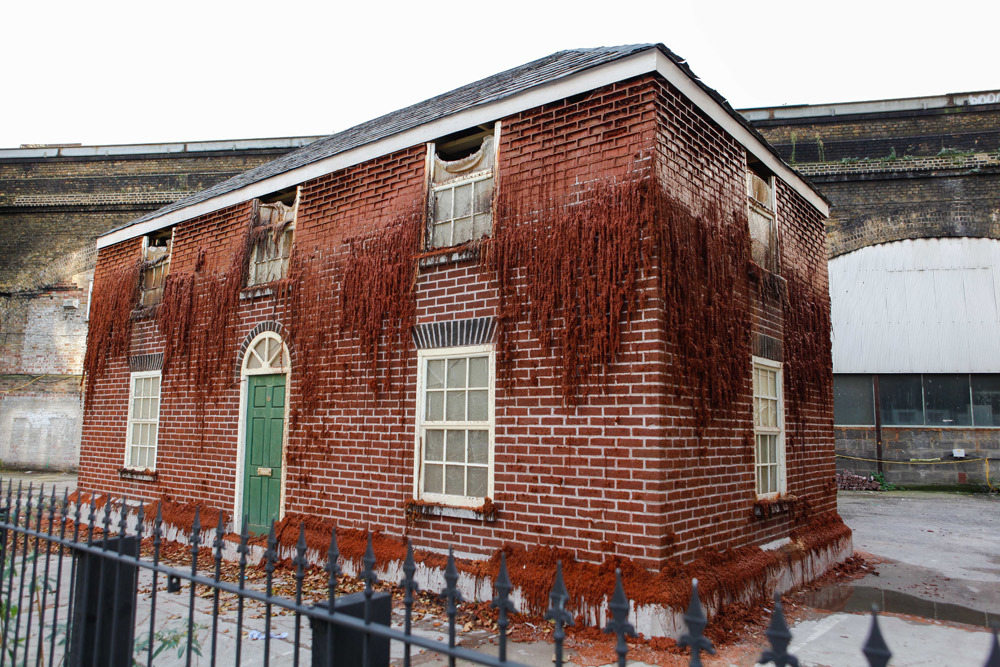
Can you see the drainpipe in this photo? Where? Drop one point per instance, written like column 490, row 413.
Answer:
column 878, row 426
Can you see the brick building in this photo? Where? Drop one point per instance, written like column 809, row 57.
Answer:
column 54, row 202
column 914, row 246
column 578, row 304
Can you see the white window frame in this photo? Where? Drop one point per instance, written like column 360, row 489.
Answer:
column 472, row 177
column 283, row 261
column 132, row 421
column 164, row 272
column 423, row 356
column 768, row 210
column 776, row 367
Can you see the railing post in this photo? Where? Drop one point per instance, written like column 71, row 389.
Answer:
column 114, row 605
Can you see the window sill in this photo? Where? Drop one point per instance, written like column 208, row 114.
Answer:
column 144, row 312
column 438, row 256
column 767, row 507
column 255, row 292
column 139, row 475
column 416, row 509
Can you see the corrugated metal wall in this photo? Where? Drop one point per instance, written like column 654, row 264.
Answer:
column 921, row 306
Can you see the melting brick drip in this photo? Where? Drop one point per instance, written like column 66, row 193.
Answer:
column 576, row 262
column 110, row 328
column 807, row 346
column 377, row 300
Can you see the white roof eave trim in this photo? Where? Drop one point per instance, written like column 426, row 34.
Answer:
column 652, row 60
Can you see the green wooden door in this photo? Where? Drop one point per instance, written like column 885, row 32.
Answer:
column 262, row 469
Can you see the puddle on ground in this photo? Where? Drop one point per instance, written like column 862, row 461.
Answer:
column 854, row 599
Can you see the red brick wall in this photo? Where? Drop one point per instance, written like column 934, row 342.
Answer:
column 623, row 472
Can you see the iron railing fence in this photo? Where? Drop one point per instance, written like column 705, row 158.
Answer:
column 75, row 592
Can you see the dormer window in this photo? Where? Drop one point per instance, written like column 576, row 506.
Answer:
column 155, row 265
column 461, row 182
column 273, row 230
column 763, row 227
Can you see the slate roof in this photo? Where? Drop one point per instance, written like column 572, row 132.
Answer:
column 484, row 91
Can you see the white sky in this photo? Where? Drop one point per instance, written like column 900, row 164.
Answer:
column 138, row 72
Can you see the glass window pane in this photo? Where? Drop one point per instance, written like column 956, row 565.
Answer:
column 254, row 361
column 154, row 408
column 456, row 373
column 900, row 399
column 479, row 446
column 456, row 447
column 946, row 400
column 455, row 411
column 435, row 374
column 155, row 386
column 478, row 405
column 133, row 457
column 442, row 205
column 434, row 445
column 441, row 235
column 482, row 225
column 476, row 478
column 454, row 480
column 435, row 406
column 479, row 371
column 986, row 400
column 462, row 231
column 853, row 400
column 433, row 475
column 463, row 200
column 484, row 196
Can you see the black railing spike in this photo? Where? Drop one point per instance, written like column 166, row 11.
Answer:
column 333, row 562
column 557, row 612
column 196, row 528
column 454, row 596
column 619, row 624
column 140, row 518
column 696, row 622
column 91, row 519
column 451, row 578
column 332, row 572
column 300, row 573
column 368, row 561
column 270, row 556
column 300, row 547
column 409, row 584
column 994, row 658
column 271, row 553
column 243, row 549
column 106, row 522
column 218, row 543
column 875, row 648
column 123, row 520
column 502, row 603
column 780, row 637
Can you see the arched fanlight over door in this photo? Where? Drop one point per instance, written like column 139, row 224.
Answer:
column 266, row 355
